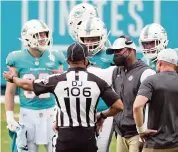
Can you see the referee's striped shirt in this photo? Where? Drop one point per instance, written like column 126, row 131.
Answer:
column 77, row 92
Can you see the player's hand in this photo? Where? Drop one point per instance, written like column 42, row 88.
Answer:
column 100, row 121
column 12, row 125
column 8, row 75
column 147, row 132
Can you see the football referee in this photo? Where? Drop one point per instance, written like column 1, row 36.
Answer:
column 77, row 92
column 161, row 91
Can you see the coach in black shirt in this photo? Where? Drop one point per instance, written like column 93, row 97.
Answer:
column 77, row 92
column 126, row 79
column 161, row 91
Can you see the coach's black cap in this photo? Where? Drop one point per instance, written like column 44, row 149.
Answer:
column 77, row 52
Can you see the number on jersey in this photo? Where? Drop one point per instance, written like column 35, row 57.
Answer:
column 31, row 94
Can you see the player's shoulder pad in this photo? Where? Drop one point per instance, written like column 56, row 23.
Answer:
column 107, row 44
column 145, row 60
column 106, row 58
column 13, row 57
column 57, row 55
column 176, row 50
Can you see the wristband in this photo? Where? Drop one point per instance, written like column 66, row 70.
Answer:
column 102, row 115
column 11, row 80
column 9, row 115
column 141, row 129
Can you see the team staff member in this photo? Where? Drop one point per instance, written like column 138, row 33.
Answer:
column 161, row 91
column 76, row 100
column 126, row 82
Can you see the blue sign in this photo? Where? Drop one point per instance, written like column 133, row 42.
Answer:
column 120, row 17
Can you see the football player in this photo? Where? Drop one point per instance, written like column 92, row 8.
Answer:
column 87, row 28
column 177, row 54
column 78, row 14
column 94, row 35
column 153, row 39
column 36, row 61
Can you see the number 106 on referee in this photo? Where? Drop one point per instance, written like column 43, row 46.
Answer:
column 76, row 89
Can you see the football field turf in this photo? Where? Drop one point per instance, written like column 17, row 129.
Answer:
column 5, row 139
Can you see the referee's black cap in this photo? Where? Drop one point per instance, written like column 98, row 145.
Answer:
column 77, row 52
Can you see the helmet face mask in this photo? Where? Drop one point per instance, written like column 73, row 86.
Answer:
column 93, row 44
column 150, row 48
column 36, row 34
column 78, row 14
column 93, row 33
column 153, row 38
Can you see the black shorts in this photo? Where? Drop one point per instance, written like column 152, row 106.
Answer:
column 79, row 139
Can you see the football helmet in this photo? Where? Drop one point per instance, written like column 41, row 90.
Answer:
column 93, row 34
column 78, row 14
column 36, row 34
column 153, row 38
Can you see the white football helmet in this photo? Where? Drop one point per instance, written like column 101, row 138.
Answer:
column 93, row 34
column 78, row 14
column 153, row 33
column 31, row 35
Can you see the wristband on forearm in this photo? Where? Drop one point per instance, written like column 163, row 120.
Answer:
column 9, row 115
column 102, row 115
column 141, row 129
column 11, row 80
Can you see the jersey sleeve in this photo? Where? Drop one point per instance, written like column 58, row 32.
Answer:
column 107, row 58
column 109, row 96
column 45, row 85
column 146, row 73
column 60, row 57
column 107, row 93
column 146, row 88
column 10, row 60
column 177, row 54
column 105, row 74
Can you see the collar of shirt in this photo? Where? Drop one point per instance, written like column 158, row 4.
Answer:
column 169, row 72
column 77, row 69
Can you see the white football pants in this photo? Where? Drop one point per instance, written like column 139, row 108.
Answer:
column 39, row 127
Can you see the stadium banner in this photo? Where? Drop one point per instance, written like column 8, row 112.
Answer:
column 121, row 17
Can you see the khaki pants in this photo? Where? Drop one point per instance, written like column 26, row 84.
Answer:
column 160, row 150
column 127, row 144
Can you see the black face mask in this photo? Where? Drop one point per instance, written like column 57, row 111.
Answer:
column 119, row 60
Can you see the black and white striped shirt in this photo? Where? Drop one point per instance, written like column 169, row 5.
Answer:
column 77, row 92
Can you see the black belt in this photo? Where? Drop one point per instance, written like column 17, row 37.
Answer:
column 61, row 127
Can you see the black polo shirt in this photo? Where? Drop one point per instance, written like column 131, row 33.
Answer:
column 162, row 91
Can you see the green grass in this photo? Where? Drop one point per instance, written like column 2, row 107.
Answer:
column 6, row 141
